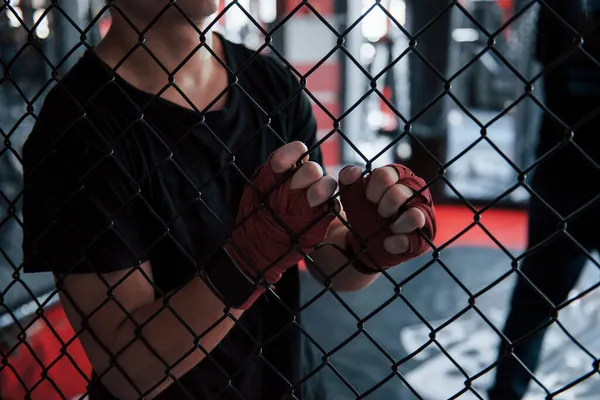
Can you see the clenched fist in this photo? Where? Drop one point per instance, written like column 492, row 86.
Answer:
column 372, row 203
column 284, row 207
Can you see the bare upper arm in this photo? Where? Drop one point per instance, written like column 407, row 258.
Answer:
column 87, row 301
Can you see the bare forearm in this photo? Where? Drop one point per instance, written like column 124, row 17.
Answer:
column 329, row 260
column 167, row 343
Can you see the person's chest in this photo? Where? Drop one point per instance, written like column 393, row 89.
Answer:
column 195, row 173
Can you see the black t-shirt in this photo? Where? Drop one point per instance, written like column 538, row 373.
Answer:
column 115, row 176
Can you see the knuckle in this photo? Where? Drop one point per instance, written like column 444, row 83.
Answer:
column 297, row 148
column 397, row 244
column 412, row 214
column 326, row 186
column 402, row 239
column 383, row 177
column 326, row 189
column 312, row 170
column 403, row 242
column 319, row 191
column 331, row 182
column 285, row 156
column 419, row 217
column 278, row 159
column 408, row 192
column 298, row 144
column 409, row 221
column 397, row 196
column 348, row 174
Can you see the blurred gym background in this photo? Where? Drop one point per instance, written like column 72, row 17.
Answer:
column 481, row 129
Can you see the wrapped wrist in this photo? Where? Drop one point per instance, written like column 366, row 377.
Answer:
column 355, row 258
column 230, row 282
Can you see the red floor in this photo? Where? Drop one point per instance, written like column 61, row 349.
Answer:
column 42, row 348
column 507, row 226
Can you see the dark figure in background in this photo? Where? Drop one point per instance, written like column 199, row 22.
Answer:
column 567, row 180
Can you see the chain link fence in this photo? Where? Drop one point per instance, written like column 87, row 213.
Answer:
column 173, row 248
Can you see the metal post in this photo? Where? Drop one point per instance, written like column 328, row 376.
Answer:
column 431, row 127
column 434, row 45
column 352, row 124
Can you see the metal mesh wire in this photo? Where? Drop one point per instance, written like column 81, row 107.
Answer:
column 19, row 322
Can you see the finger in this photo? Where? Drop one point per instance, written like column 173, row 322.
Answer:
column 349, row 175
column 393, row 199
column 409, row 221
column 396, row 244
column 287, row 156
column 380, row 181
column 321, row 191
column 308, row 174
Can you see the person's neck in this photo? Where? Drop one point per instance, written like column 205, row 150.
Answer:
column 175, row 45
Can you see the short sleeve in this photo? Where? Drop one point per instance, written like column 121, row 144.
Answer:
column 79, row 203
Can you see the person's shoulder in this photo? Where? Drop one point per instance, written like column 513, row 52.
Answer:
column 83, row 82
column 76, row 105
column 72, row 120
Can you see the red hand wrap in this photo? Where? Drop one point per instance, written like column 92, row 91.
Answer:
column 261, row 240
column 365, row 220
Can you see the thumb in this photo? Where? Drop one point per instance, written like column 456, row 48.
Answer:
column 351, row 182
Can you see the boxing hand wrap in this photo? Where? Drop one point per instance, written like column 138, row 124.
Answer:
column 272, row 219
column 372, row 228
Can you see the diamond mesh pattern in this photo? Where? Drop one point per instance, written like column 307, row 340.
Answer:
column 24, row 107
